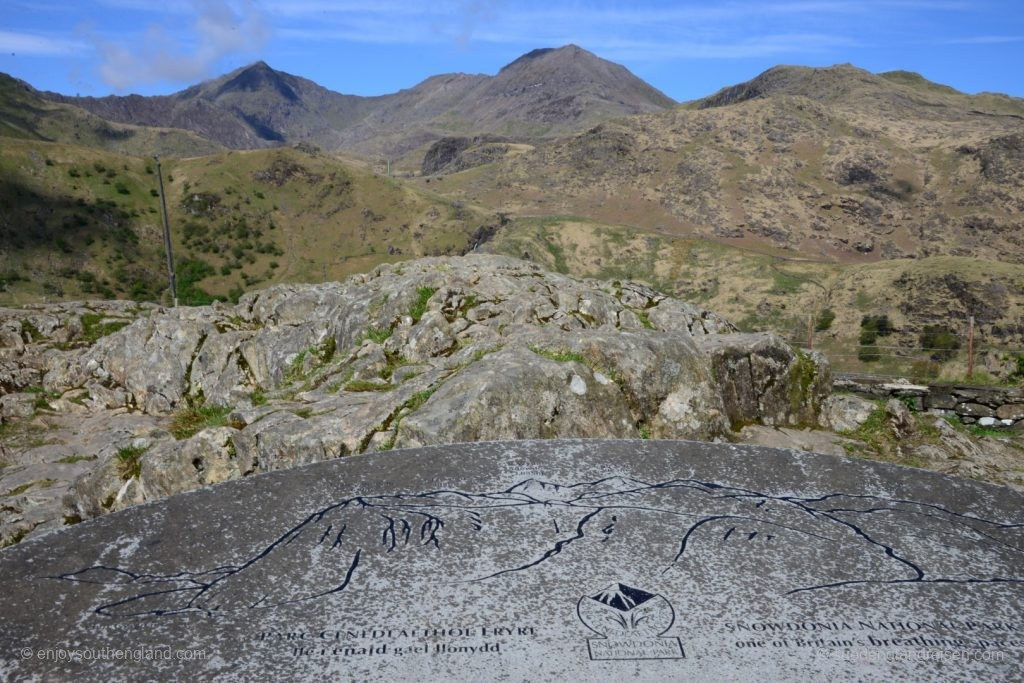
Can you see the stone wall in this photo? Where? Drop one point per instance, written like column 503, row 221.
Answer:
column 986, row 406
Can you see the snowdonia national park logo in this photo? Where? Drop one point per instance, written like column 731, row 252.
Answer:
column 631, row 624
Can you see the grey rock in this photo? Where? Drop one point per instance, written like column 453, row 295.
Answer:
column 901, row 420
column 17, row 406
column 609, row 560
column 763, row 379
column 1010, row 411
column 975, row 410
column 942, row 400
column 489, row 402
column 812, row 440
column 845, row 412
column 424, row 352
column 173, row 467
column 431, row 337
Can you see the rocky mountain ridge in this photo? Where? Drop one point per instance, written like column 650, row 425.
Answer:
column 543, row 93
column 831, row 164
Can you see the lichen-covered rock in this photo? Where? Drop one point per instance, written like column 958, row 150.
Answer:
column 901, row 422
column 763, row 379
column 110, row 485
column 565, row 399
column 424, row 352
column 845, row 412
column 172, row 467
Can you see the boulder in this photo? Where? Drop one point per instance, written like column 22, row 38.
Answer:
column 845, row 412
column 209, row 457
column 763, row 379
column 900, row 419
column 1010, row 411
column 975, row 410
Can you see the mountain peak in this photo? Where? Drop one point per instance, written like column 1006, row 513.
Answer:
column 549, row 53
column 258, row 76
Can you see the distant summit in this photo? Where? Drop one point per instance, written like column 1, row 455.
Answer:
column 546, row 92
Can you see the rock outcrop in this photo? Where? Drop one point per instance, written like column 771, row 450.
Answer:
column 438, row 350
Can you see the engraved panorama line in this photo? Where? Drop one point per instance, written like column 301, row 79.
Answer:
column 422, row 519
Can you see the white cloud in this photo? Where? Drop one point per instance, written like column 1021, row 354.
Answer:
column 219, row 29
column 34, row 44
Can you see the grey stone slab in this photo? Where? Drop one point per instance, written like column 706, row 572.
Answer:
column 539, row 561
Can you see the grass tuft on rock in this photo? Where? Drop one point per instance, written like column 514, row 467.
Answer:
column 560, row 355
column 193, row 419
column 93, row 327
column 423, row 295
column 129, row 461
column 365, row 385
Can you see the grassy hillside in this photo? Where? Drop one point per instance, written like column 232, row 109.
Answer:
column 83, row 223
column 772, row 290
column 835, row 164
column 26, row 115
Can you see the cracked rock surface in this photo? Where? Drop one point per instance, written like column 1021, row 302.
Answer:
column 438, row 350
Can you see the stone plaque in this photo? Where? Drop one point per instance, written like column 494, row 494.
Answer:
column 553, row 560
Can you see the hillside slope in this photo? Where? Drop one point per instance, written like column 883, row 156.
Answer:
column 546, row 92
column 837, row 164
column 26, row 114
column 76, row 222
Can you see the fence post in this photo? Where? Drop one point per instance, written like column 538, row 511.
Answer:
column 970, row 348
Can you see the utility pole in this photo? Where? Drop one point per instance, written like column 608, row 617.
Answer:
column 970, row 348
column 389, row 168
column 167, row 235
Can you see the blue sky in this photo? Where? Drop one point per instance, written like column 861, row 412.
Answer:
column 687, row 49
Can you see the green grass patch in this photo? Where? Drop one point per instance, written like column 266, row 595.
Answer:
column 258, row 398
column 644, row 319
column 33, row 332
column 193, row 419
column 394, row 362
column 129, row 461
column 875, row 430
column 786, row 283
column 557, row 253
column 295, row 367
column 419, row 307
column 42, row 400
column 94, row 327
column 365, row 385
column 379, row 334
column 419, row 398
column 561, row 355
column 189, row 272
column 979, row 430
column 414, row 403
column 304, row 413
column 480, row 353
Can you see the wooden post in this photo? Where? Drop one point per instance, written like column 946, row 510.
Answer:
column 810, row 331
column 970, row 348
column 172, row 280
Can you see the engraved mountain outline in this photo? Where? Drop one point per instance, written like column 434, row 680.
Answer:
column 335, row 545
